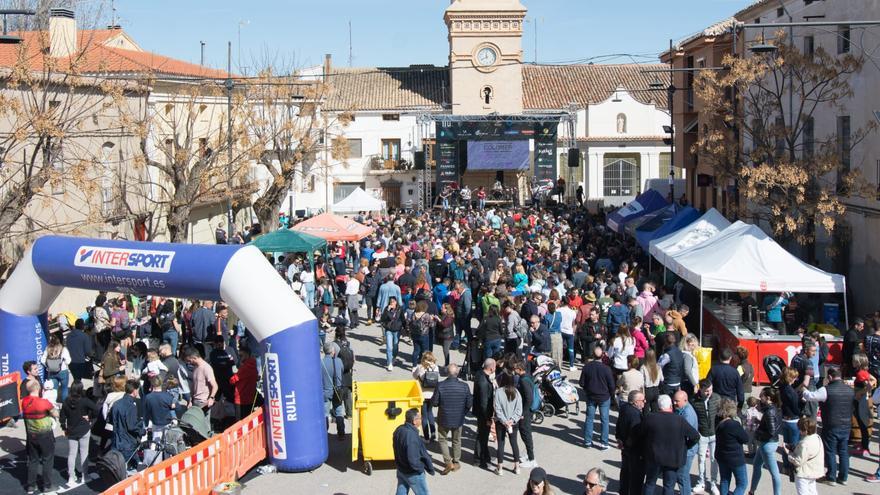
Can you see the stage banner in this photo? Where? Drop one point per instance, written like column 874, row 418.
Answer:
column 545, row 154
column 447, row 164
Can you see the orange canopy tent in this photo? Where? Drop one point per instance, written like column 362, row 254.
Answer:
column 333, row 228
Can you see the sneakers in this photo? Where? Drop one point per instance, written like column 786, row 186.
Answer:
column 516, row 470
column 448, row 469
column 527, row 464
column 499, row 471
column 873, row 479
column 841, row 483
column 714, row 489
column 602, row 446
column 828, row 482
column 389, row 368
column 699, row 490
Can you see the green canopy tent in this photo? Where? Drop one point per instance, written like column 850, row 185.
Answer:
column 290, row 241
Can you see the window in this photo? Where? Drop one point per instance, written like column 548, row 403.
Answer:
column 809, row 138
column 391, row 152
column 342, row 190
column 355, row 148
column 621, row 123
column 780, row 12
column 621, row 177
column 809, row 46
column 665, row 164
column 843, row 147
column 843, row 39
column 807, row 2
column 689, row 90
column 391, row 117
column 757, row 20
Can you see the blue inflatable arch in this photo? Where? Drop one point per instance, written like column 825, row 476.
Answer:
column 239, row 276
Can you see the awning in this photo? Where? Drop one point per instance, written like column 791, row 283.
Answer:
column 707, row 226
column 644, row 203
column 662, row 225
column 333, row 228
column 359, row 200
column 289, row 241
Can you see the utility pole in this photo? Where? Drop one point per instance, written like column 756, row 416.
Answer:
column 229, row 87
column 350, row 49
column 202, row 59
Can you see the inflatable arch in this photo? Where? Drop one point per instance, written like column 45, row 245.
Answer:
column 237, row 275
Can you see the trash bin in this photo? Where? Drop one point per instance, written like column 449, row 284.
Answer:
column 703, row 356
column 379, row 408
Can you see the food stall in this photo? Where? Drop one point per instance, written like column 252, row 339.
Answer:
column 742, row 258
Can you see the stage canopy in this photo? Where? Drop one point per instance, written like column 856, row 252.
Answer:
column 333, row 228
column 288, row 241
column 644, row 203
column 743, row 258
column 707, row 226
column 359, row 200
column 673, row 219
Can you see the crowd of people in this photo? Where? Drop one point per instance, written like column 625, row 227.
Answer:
column 118, row 376
column 493, row 291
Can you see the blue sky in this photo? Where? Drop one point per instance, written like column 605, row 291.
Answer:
column 402, row 32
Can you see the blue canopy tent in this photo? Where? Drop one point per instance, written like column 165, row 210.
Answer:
column 644, row 203
column 291, row 241
column 662, row 225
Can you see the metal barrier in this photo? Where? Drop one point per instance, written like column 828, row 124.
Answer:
column 223, row 457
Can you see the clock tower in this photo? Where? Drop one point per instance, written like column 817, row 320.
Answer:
column 485, row 56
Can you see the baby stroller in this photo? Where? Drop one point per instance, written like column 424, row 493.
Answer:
column 773, row 366
column 556, row 392
column 195, row 425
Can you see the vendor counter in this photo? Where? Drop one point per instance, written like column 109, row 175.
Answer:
column 760, row 340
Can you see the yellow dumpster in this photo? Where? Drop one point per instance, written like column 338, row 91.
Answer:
column 379, row 408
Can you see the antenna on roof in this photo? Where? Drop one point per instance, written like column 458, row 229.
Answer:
column 6, row 38
column 113, row 19
column 350, row 56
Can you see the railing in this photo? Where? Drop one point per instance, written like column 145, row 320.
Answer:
column 223, row 457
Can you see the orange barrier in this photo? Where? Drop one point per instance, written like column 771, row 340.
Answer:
column 223, row 457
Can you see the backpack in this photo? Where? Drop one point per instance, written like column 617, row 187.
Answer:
column 535, row 406
column 347, row 357
column 430, row 379
column 122, row 323
column 53, row 365
column 522, row 329
column 175, row 441
column 165, row 321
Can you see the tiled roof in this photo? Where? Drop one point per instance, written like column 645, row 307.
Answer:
column 96, row 57
column 716, row 29
column 388, row 88
column 621, row 138
column 548, row 87
column 749, row 9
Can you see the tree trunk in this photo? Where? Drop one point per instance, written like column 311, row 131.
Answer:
column 177, row 222
column 266, row 208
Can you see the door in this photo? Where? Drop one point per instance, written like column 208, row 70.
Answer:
column 391, row 194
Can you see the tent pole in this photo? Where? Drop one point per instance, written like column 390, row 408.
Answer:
column 701, row 318
column 845, row 307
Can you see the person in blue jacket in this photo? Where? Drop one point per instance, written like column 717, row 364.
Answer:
column 773, row 304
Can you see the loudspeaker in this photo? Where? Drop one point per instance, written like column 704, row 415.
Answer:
column 574, row 157
column 499, row 176
column 462, row 157
column 419, row 160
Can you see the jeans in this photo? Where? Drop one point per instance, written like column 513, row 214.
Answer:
column 61, row 380
column 40, row 454
column 462, row 331
column 429, row 425
column 568, row 340
column 456, row 444
column 492, row 347
column 707, row 467
column 790, row 436
column 740, row 473
column 77, row 448
column 683, row 475
column 415, row 482
column 310, row 294
column 590, row 424
column 835, row 441
column 669, row 475
column 171, row 337
column 766, row 454
column 392, row 339
column 420, row 346
column 502, row 434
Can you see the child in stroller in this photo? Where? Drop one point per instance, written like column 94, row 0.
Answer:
column 557, row 393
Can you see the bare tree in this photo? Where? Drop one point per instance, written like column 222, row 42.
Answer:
column 791, row 178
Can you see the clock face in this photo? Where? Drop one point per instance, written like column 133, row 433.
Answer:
column 486, row 57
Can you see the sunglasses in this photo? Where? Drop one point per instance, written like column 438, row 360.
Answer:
column 590, row 485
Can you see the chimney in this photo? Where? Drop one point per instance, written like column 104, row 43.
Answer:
column 62, row 33
column 328, row 64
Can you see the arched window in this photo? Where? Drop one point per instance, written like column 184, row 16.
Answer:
column 621, row 178
column 621, row 123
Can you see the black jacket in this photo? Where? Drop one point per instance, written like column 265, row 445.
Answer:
column 665, row 439
column 628, row 420
column 453, row 400
column 791, row 403
column 410, row 454
column 597, row 381
column 726, row 382
column 484, row 397
column 75, row 416
column 490, row 329
column 673, row 370
column 438, row 269
column 392, row 320
column 729, row 439
column 529, row 309
column 707, row 412
column 771, row 423
column 541, row 339
column 837, row 410
column 526, row 387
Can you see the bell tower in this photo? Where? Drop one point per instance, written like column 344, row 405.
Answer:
column 485, row 56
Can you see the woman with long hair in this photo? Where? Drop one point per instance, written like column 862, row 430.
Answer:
column 767, row 436
column 730, row 437
column 75, row 419
column 653, row 375
column 56, row 361
column 447, row 330
column 791, row 413
column 689, row 345
column 508, row 412
column 428, row 374
column 538, row 484
column 623, row 345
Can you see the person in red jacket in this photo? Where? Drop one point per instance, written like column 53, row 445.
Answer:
column 245, row 383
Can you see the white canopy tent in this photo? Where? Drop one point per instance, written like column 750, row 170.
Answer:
column 744, row 258
column 359, row 200
column 707, row 226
